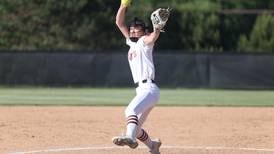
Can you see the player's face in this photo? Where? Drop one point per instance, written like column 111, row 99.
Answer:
column 136, row 31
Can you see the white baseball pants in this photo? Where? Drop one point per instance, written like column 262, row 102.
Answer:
column 147, row 95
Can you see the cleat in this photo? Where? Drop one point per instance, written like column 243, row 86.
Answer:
column 123, row 140
column 118, row 140
column 155, row 146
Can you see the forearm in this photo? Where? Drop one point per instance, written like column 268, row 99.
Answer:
column 155, row 34
column 152, row 37
column 120, row 16
column 120, row 20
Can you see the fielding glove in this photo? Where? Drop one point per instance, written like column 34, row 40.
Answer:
column 159, row 18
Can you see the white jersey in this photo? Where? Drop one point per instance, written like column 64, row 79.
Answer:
column 140, row 60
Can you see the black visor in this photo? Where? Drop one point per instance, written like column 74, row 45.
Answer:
column 137, row 22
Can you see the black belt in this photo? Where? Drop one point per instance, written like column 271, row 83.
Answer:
column 144, row 81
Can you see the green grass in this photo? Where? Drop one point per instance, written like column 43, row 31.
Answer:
column 122, row 96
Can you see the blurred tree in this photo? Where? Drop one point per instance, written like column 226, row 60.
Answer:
column 261, row 38
column 199, row 25
column 75, row 24
column 194, row 25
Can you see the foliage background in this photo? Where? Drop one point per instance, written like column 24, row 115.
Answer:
column 194, row 26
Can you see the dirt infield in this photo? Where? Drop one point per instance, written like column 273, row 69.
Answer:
column 183, row 130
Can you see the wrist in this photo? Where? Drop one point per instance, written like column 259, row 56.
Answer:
column 123, row 6
column 125, row 3
column 157, row 30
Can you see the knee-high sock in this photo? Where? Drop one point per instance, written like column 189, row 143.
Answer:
column 132, row 125
column 144, row 137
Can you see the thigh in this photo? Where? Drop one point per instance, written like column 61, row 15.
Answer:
column 142, row 102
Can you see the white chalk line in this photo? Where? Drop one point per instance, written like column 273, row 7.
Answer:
column 143, row 147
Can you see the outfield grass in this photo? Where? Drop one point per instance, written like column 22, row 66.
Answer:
column 121, row 96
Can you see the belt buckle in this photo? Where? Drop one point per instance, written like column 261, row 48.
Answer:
column 144, row 81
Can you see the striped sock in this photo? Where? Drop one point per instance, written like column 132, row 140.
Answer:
column 132, row 123
column 143, row 137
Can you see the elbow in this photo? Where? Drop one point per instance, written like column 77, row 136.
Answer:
column 118, row 23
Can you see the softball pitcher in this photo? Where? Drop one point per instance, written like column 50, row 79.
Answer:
column 143, row 72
